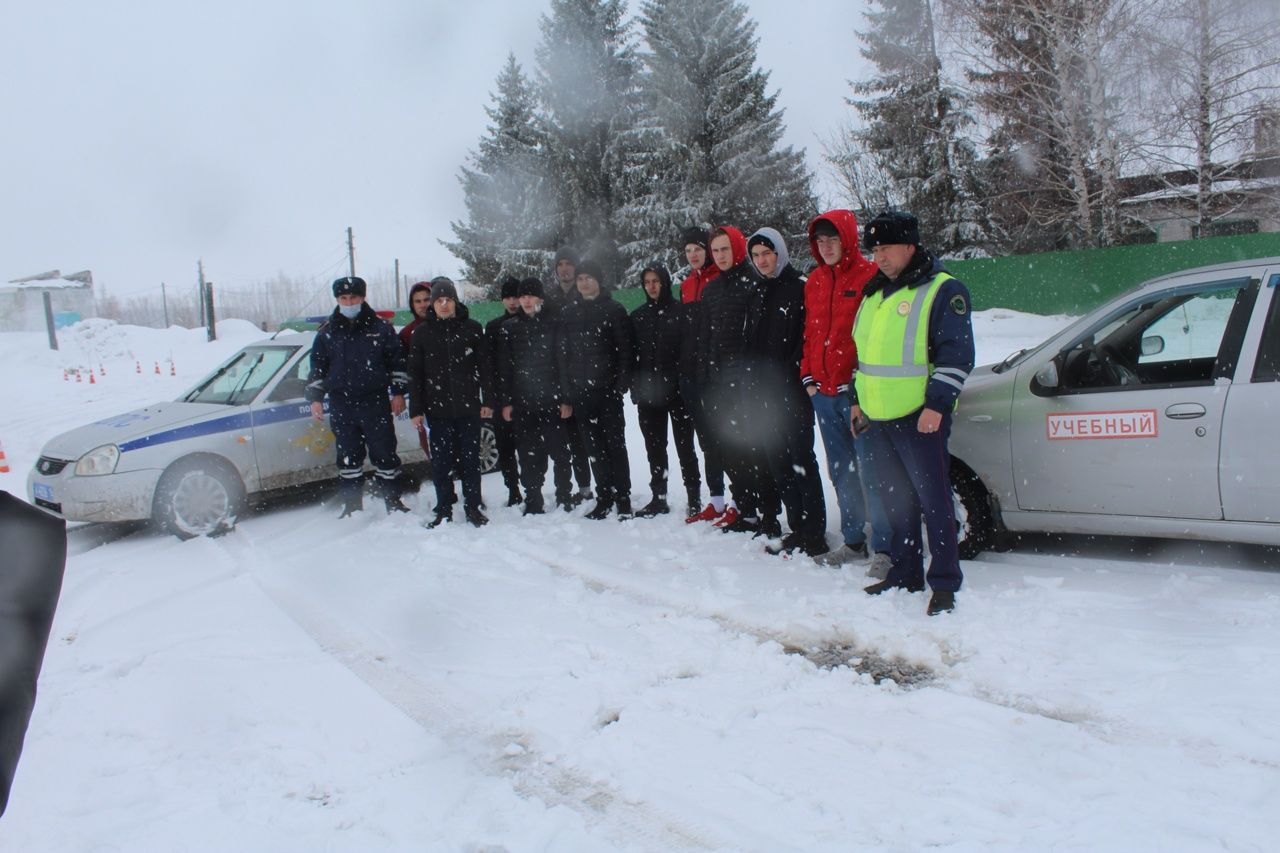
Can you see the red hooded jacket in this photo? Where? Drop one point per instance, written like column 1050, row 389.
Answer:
column 831, row 299
column 696, row 281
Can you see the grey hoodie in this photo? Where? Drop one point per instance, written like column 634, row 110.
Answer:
column 779, row 246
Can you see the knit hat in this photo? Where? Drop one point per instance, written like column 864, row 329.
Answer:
column 530, row 286
column 349, row 286
column 696, row 236
column 510, row 287
column 567, row 253
column 891, row 228
column 593, row 269
column 442, row 286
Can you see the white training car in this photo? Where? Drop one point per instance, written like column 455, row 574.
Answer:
column 191, row 464
column 1154, row 415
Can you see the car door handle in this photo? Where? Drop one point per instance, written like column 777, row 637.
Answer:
column 1185, row 411
column 980, row 419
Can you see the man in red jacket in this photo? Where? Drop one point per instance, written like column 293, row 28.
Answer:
column 832, row 295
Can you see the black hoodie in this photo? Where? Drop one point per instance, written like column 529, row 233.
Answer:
column 658, row 331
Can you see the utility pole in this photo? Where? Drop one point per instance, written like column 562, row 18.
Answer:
column 351, row 251
column 200, row 300
column 48, row 318
column 164, row 303
column 397, row 302
column 208, row 290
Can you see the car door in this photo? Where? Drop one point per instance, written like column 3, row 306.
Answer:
column 291, row 446
column 1250, row 466
column 1134, row 425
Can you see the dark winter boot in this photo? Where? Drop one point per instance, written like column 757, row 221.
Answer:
column 394, row 504
column 351, row 504
column 533, row 505
column 769, row 528
column 514, row 497
column 624, row 508
column 476, row 518
column 657, row 506
column 443, row 516
column 885, row 586
column 941, row 602
column 694, row 501
column 601, row 510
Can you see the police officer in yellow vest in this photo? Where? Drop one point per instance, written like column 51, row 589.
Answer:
column 914, row 337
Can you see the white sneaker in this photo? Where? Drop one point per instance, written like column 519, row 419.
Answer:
column 843, row 555
column 879, row 566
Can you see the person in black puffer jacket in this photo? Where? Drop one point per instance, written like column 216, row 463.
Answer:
column 528, row 396
column 502, row 431
column 732, row 306
column 655, row 389
column 596, row 354
column 783, row 414
column 447, row 368
column 355, row 359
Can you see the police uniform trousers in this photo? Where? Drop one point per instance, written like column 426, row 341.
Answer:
column 357, row 424
column 455, row 452
column 603, row 430
column 914, row 472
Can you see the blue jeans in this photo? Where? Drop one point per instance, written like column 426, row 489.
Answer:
column 881, row 532
column 842, row 464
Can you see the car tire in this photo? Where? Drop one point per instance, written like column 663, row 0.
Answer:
column 198, row 496
column 488, row 448
column 975, row 529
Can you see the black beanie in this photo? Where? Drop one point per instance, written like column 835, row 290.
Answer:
column 567, row 253
column 892, row 227
column 697, row 236
column 442, row 286
column 510, row 287
column 349, row 286
column 530, row 286
column 592, row 269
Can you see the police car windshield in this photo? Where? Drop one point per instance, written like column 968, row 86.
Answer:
column 239, row 380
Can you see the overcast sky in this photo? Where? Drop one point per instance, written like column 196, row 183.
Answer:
column 140, row 136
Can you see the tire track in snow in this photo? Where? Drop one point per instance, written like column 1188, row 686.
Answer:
column 502, row 753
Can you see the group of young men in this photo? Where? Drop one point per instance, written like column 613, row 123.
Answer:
column 746, row 359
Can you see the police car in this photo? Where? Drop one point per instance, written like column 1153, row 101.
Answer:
column 1154, row 415
column 191, row 464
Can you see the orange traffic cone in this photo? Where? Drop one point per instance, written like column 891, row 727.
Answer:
column 92, row 381
column 173, row 371
column 66, row 375
column 77, row 374
column 157, row 368
column 4, row 463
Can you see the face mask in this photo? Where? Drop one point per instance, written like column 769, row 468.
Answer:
column 349, row 311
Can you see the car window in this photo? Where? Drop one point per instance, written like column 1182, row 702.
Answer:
column 239, row 380
column 1181, row 336
column 294, row 383
column 1267, row 368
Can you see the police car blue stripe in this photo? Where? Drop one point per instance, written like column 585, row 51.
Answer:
column 229, row 423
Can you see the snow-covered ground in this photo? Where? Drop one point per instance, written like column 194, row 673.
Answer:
column 553, row 683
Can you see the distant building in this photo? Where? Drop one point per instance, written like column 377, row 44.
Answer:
column 22, row 301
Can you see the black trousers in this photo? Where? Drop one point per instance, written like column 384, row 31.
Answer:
column 578, row 453
column 455, row 452
column 505, row 436
column 361, row 424
column 603, row 431
column 542, row 433
column 712, row 463
column 653, row 426
column 740, row 439
column 794, row 467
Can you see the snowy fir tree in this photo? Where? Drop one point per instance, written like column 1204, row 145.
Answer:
column 914, row 126
column 586, row 79
column 706, row 149
column 506, row 189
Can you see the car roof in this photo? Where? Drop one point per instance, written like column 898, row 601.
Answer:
column 1212, row 268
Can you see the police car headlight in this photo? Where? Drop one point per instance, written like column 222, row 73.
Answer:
column 100, row 460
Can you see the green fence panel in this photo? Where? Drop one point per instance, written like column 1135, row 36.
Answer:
column 1075, row 282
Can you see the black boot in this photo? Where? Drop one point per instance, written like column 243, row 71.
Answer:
column 533, row 505
column 394, row 504
column 624, row 508
column 514, row 497
column 694, row 501
column 352, row 504
column 885, row 586
column 657, row 506
column 769, row 528
column 941, row 602
column 601, row 510
column 476, row 518
column 443, row 516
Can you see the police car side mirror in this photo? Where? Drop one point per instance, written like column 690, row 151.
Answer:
column 1152, row 345
column 1046, row 378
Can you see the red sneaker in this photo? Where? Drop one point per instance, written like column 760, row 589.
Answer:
column 708, row 514
column 731, row 515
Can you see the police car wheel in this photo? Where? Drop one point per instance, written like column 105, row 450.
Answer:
column 974, row 527
column 488, row 448
column 198, row 497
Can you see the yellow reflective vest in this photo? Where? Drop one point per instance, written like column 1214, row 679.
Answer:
column 892, row 337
